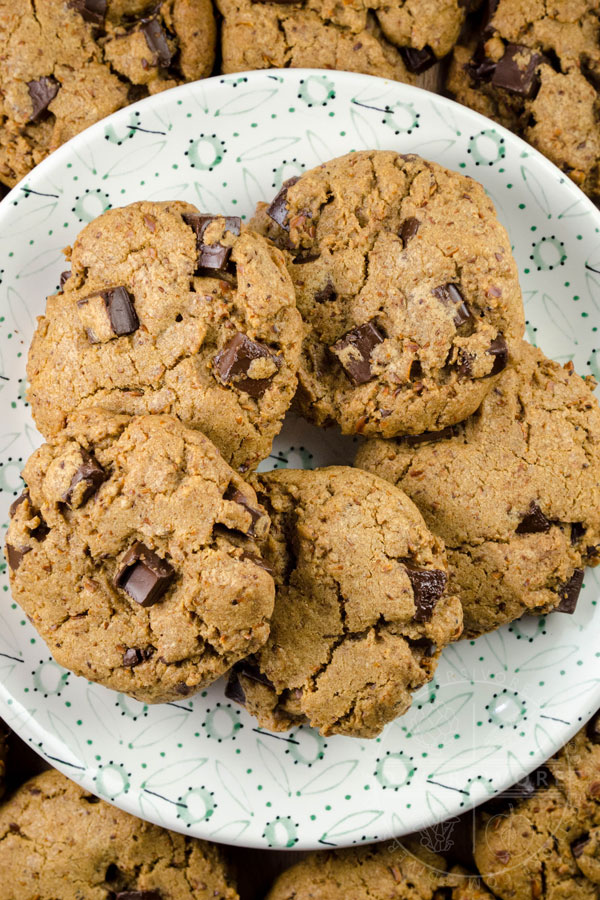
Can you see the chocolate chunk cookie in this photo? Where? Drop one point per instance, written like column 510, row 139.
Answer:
column 382, row 872
column 167, row 310
column 133, row 551
column 361, row 611
column 396, row 39
column 547, row 846
column 514, row 491
column 58, row 840
column 535, row 67
column 407, row 284
column 65, row 64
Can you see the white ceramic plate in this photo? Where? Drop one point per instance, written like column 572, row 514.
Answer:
column 498, row 706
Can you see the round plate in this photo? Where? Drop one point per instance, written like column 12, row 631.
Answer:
column 498, row 706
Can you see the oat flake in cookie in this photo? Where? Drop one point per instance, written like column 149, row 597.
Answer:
column 59, row 841
column 535, row 67
column 406, row 281
column 167, row 310
column 361, row 611
column 514, row 492
column 133, row 551
column 65, row 64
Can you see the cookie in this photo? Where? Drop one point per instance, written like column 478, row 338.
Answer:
column 58, row 840
column 133, row 552
column 65, row 65
column 514, row 492
column 406, row 281
column 166, row 310
column 393, row 40
column 547, row 846
column 382, row 872
column 535, row 68
column 361, row 609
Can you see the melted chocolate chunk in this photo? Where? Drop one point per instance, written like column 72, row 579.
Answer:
column 14, row 555
column 450, row 296
column 418, row 61
column 577, row 532
column 278, row 209
column 569, row 593
column 232, row 364
column 234, row 690
column 42, row 93
column 428, row 586
column 408, row 229
column 534, row 521
column 24, row 495
column 157, row 41
column 93, row 11
column 91, row 473
column 212, row 256
column 236, row 496
column 578, row 846
column 138, row 895
column 326, row 294
column 64, row 277
column 133, row 657
column 354, row 351
column 593, row 729
column 517, row 71
column 144, row 575
column 499, row 350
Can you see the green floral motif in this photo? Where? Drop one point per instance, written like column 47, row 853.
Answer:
column 281, row 832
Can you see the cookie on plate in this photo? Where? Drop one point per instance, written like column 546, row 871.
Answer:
column 133, row 552
column 406, row 281
column 361, row 610
column 535, row 68
column 58, row 840
column 166, row 310
column 547, row 845
column 395, row 40
column 514, row 492
column 381, row 872
column 65, row 65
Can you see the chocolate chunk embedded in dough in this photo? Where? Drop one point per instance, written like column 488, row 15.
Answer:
column 534, row 521
column 428, row 586
column 93, row 11
column 42, row 92
column 144, row 575
column 85, row 482
column 233, row 364
column 569, row 593
column 278, row 209
column 451, row 297
column 354, row 351
column 418, row 60
column 517, row 71
column 157, row 42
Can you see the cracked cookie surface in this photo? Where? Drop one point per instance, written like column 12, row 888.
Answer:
column 514, row 492
column 361, row 610
column 170, row 311
column 534, row 66
column 58, row 840
column 392, row 40
column 133, row 552
column 65, row 65
column 382, row 872
column 548, row 845
column 405, row 279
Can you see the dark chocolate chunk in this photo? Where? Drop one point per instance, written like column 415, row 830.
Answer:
column 234, row 690
column 414, row 440
column 569, row 593
column 182, row 688
column 450, row 296
column 302, row 258
column 133, row 657
column 14, row 555
column 577, row 532
column 42, row 92
column 408, row 229
column 578, row 846
column 236, row 496
column 278, row 207
column 93, row 11
column 157, row 41
column 354, row 351
column 211, row 256
column 499, row 350
column 326, row 294
column 64, row 277
column 593, row 729
column 517, row 71
column 418, row 61
column 121, row 311
column 41, row 531
column 258, row 561
column 534, row 521
column 232, row 364
column 138, row 895
column 464, row 363
column 428, row 586
column 24, row 495
column 144, row 575
column 91, row 473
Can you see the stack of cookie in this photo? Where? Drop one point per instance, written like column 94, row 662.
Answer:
column 380, row 292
